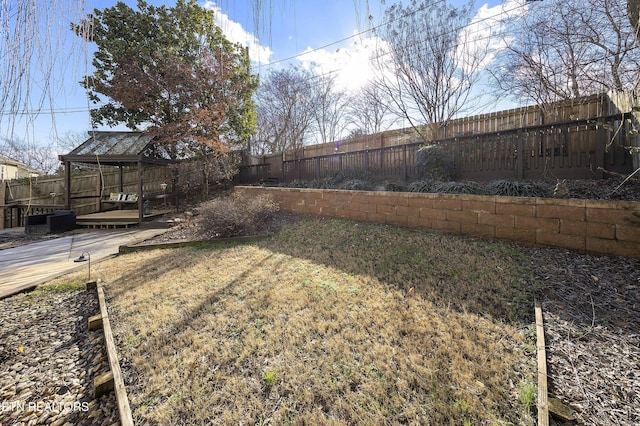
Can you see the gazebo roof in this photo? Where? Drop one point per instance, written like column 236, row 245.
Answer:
column 117, row 148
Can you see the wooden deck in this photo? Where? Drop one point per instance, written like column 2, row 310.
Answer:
column 116, row 218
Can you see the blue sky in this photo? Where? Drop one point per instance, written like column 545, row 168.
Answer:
column 288, row 29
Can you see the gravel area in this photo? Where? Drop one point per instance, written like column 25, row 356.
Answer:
column 49, row 358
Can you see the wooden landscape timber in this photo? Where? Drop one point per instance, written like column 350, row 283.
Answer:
column 543, row 404
column 111, row 380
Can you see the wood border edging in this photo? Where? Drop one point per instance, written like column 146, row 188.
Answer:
column 120, row 391
column 543, row 403
column 180, row 244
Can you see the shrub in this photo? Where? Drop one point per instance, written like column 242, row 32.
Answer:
column 460, row 188
column 315, row 184
column 297, row 184
column 510, row 188
column 236, row 215
column 356, row 185
column 437, row 163
column 394, row 186
column 422, row 186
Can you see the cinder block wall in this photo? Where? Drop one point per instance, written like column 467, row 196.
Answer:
column 605, row 227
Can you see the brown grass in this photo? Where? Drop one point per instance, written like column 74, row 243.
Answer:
column 314, row 326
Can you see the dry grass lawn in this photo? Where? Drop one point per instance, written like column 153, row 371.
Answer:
column 318, row 325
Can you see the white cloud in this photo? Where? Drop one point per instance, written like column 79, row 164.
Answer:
column 351, row 64
column 486, row 33
column 237, row 34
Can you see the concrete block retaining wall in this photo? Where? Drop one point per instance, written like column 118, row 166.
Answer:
column 605, row 227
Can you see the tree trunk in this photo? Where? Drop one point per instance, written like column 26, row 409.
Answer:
column 633, row 7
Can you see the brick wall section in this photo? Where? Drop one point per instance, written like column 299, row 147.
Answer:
column 605, row 227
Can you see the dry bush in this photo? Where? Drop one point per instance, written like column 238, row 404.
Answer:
column 436, row 162
column 235, row 215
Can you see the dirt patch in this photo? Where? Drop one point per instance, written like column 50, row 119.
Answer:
column 185, row 227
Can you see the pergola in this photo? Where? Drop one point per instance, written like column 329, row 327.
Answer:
column 118, row 149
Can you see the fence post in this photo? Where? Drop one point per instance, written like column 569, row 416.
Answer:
column 520, row 154
column 99, row 184
column 602, row 139
column 140, row 192
column 282, row 171
column 67, row 184
column 366, row 161
column 3, row 200
column 404, row 162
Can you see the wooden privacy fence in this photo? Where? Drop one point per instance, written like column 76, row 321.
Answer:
column 22, row 197
column 580, row 149
column 599, row 105
column 391, row 163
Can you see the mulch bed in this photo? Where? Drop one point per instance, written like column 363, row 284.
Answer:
column 591, row 307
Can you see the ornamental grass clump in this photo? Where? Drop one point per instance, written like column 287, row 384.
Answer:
column 356, row 185
column 512, row 188
column 473, row 188
column 427, row 185
column 394, row 186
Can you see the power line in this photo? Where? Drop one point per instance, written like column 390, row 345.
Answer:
column 74, row 110
column 306, row 52
column 413, row 12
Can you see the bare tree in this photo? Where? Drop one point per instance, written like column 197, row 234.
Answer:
column 285, row 110
column 633, row 8
column 370, row 111
column 329, row 108
column 566, row 49
column 70, row 140
column 430, row 62
column 41, row 157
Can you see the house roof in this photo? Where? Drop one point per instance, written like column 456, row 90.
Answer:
column 117, row 148
column 11, row 162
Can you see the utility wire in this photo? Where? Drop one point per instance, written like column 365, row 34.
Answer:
column 306, row 52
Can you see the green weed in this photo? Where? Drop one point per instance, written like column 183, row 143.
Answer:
column 527, row 394
column 269, row 379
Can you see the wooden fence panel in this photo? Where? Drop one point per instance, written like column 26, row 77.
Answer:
column 501, row 121
column 573, row 150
